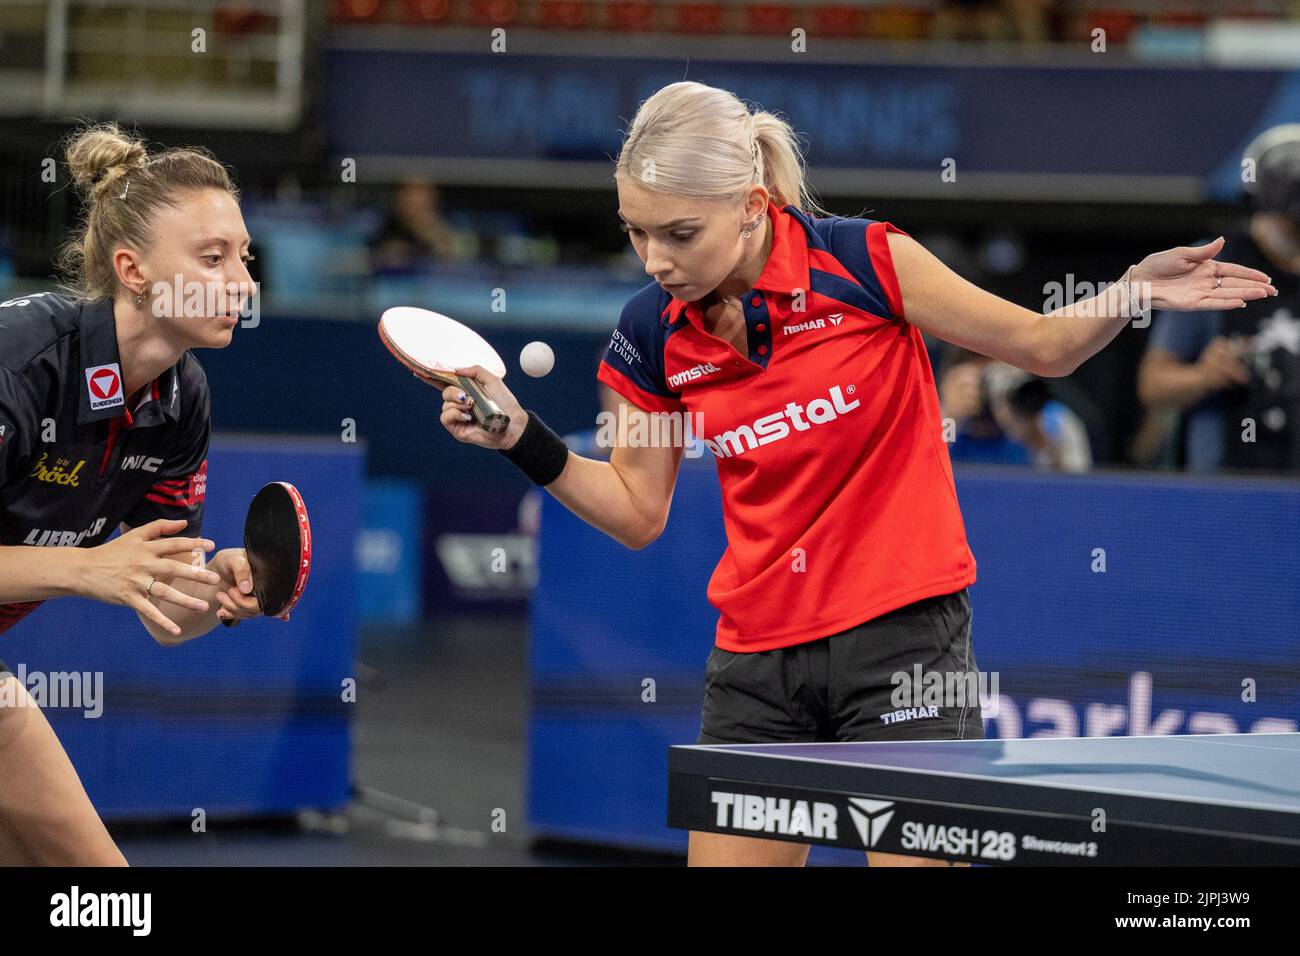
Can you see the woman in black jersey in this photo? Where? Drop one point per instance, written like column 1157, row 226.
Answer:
column 104, row 424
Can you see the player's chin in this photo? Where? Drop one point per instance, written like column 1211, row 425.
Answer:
column 219, row 330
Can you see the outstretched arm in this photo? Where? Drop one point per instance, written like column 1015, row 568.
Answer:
column 943, row 304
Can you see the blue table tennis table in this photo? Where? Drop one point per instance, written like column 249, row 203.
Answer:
column 1213, row 799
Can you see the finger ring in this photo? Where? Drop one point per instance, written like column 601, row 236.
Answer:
column 1218, row 281
column 148, row 592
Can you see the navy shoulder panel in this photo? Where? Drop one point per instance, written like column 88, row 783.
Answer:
column 846, row 240
column 637, row 346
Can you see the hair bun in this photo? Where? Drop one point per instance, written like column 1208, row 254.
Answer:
column 101, row 153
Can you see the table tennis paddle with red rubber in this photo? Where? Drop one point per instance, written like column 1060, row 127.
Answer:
column 277, row 543
column 433, row 346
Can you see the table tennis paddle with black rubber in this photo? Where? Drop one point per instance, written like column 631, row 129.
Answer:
column 277, row 543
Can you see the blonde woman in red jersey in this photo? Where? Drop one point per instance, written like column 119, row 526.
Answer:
column 794, row 343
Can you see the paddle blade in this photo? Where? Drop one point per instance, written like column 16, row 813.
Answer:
column 433, row 344
column 277, row 540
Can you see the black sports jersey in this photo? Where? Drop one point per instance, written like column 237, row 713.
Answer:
column 75, row 461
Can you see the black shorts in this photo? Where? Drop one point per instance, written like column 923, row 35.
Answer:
column 847, row 687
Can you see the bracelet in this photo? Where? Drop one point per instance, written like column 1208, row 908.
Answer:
column 1134, row 312
column 540, row 453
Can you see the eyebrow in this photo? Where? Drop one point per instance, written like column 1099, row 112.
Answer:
column 667, row 225
column 220, row 241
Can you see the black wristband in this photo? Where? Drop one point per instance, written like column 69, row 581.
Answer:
column 540, row 453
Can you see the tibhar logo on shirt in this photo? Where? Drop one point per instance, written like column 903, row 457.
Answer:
column 804, row 326
column 772, row 427
column 105, row 384
column 692, row 373
column 835, row 319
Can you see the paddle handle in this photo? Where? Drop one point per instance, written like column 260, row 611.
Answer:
column 486, row 412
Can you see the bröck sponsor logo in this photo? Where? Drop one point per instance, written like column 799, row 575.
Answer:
column 774, row 427
column 64, row 471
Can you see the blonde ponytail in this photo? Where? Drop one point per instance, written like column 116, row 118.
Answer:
column 701, row 142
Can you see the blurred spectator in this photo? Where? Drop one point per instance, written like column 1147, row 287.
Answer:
column 1236, row 372
column 1004, row 415
column 416, row 234
column 1150, row 445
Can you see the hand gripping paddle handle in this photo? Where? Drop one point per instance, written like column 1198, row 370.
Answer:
column 486, row 412
column 229, row 621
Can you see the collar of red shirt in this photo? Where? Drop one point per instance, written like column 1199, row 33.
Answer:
column 786, row 268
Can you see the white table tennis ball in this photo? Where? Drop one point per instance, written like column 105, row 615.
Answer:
column 537, row 359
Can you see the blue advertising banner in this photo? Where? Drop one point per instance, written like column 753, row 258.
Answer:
column 1106, row 604
column 482, row 555
column 245, row 721
column 390, row 553
column 1067, row 123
